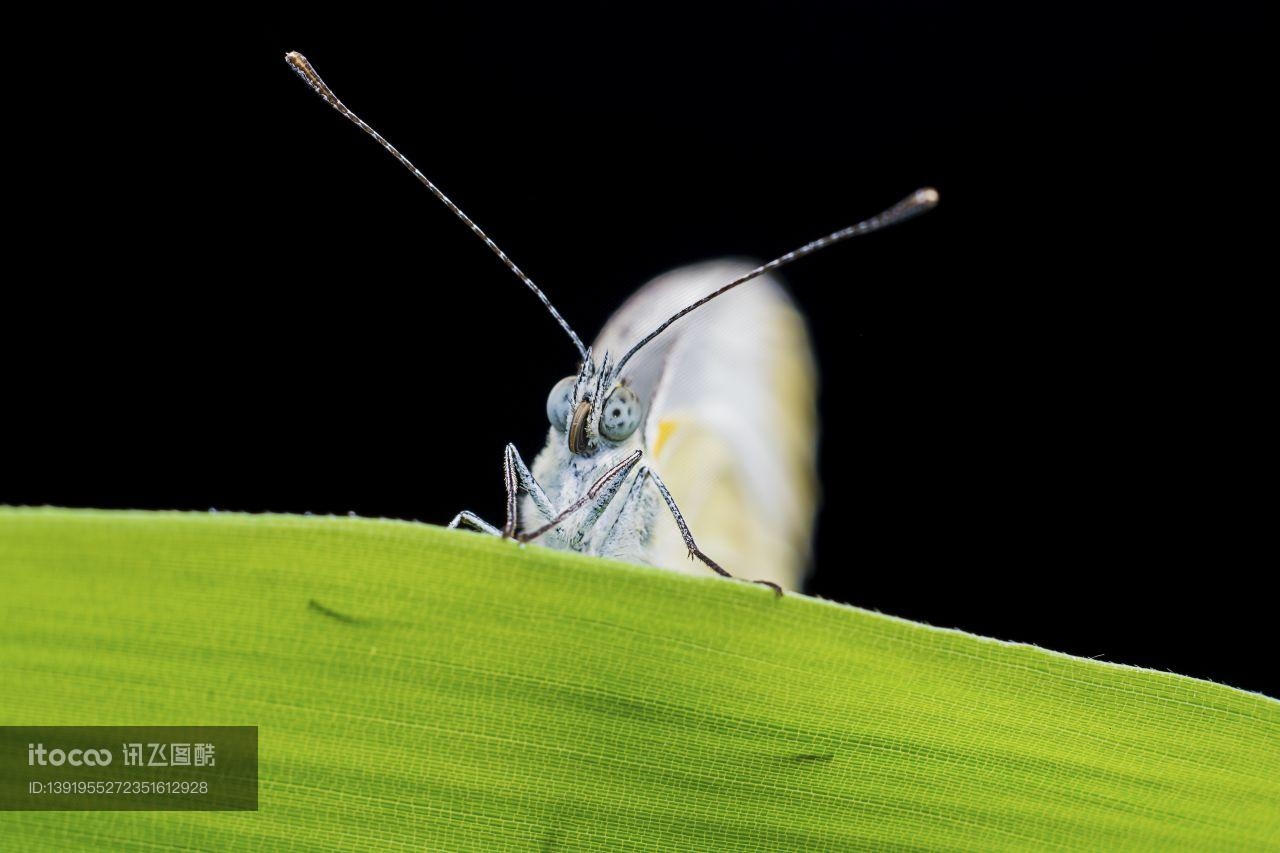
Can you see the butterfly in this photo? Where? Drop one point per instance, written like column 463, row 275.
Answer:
column 671, row 426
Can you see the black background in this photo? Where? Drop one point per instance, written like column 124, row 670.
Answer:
column 223, row 295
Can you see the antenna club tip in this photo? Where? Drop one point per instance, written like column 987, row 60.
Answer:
column 299, row 63
column 927, row 196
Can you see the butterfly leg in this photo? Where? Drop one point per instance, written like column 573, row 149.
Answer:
column 517, row 475
column 601, row 493
column 694, row 551
column 466, row 518
column 630, row 506
column 605, row 498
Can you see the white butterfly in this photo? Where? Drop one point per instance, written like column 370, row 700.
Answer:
column 719, row 410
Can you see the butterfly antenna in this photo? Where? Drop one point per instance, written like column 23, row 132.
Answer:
column 913, row 205
column 299, row 63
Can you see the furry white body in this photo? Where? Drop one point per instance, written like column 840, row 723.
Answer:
column 728, row 395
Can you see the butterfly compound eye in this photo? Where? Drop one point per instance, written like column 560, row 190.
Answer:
column 560, row 402
column 621, row 414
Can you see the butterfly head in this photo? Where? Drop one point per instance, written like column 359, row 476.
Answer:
column 593, row 409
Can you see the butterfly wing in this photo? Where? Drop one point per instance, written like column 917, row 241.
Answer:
column 731, row 423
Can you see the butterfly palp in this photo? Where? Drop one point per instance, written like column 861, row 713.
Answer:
column 578, row 429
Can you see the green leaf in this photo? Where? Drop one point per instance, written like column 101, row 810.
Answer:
column 419, row 688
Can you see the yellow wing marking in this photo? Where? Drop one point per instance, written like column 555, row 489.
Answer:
column 666, row 427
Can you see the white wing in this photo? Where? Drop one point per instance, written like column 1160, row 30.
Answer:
column 732, row 423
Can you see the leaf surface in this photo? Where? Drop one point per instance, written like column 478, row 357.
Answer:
column 418, row 688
